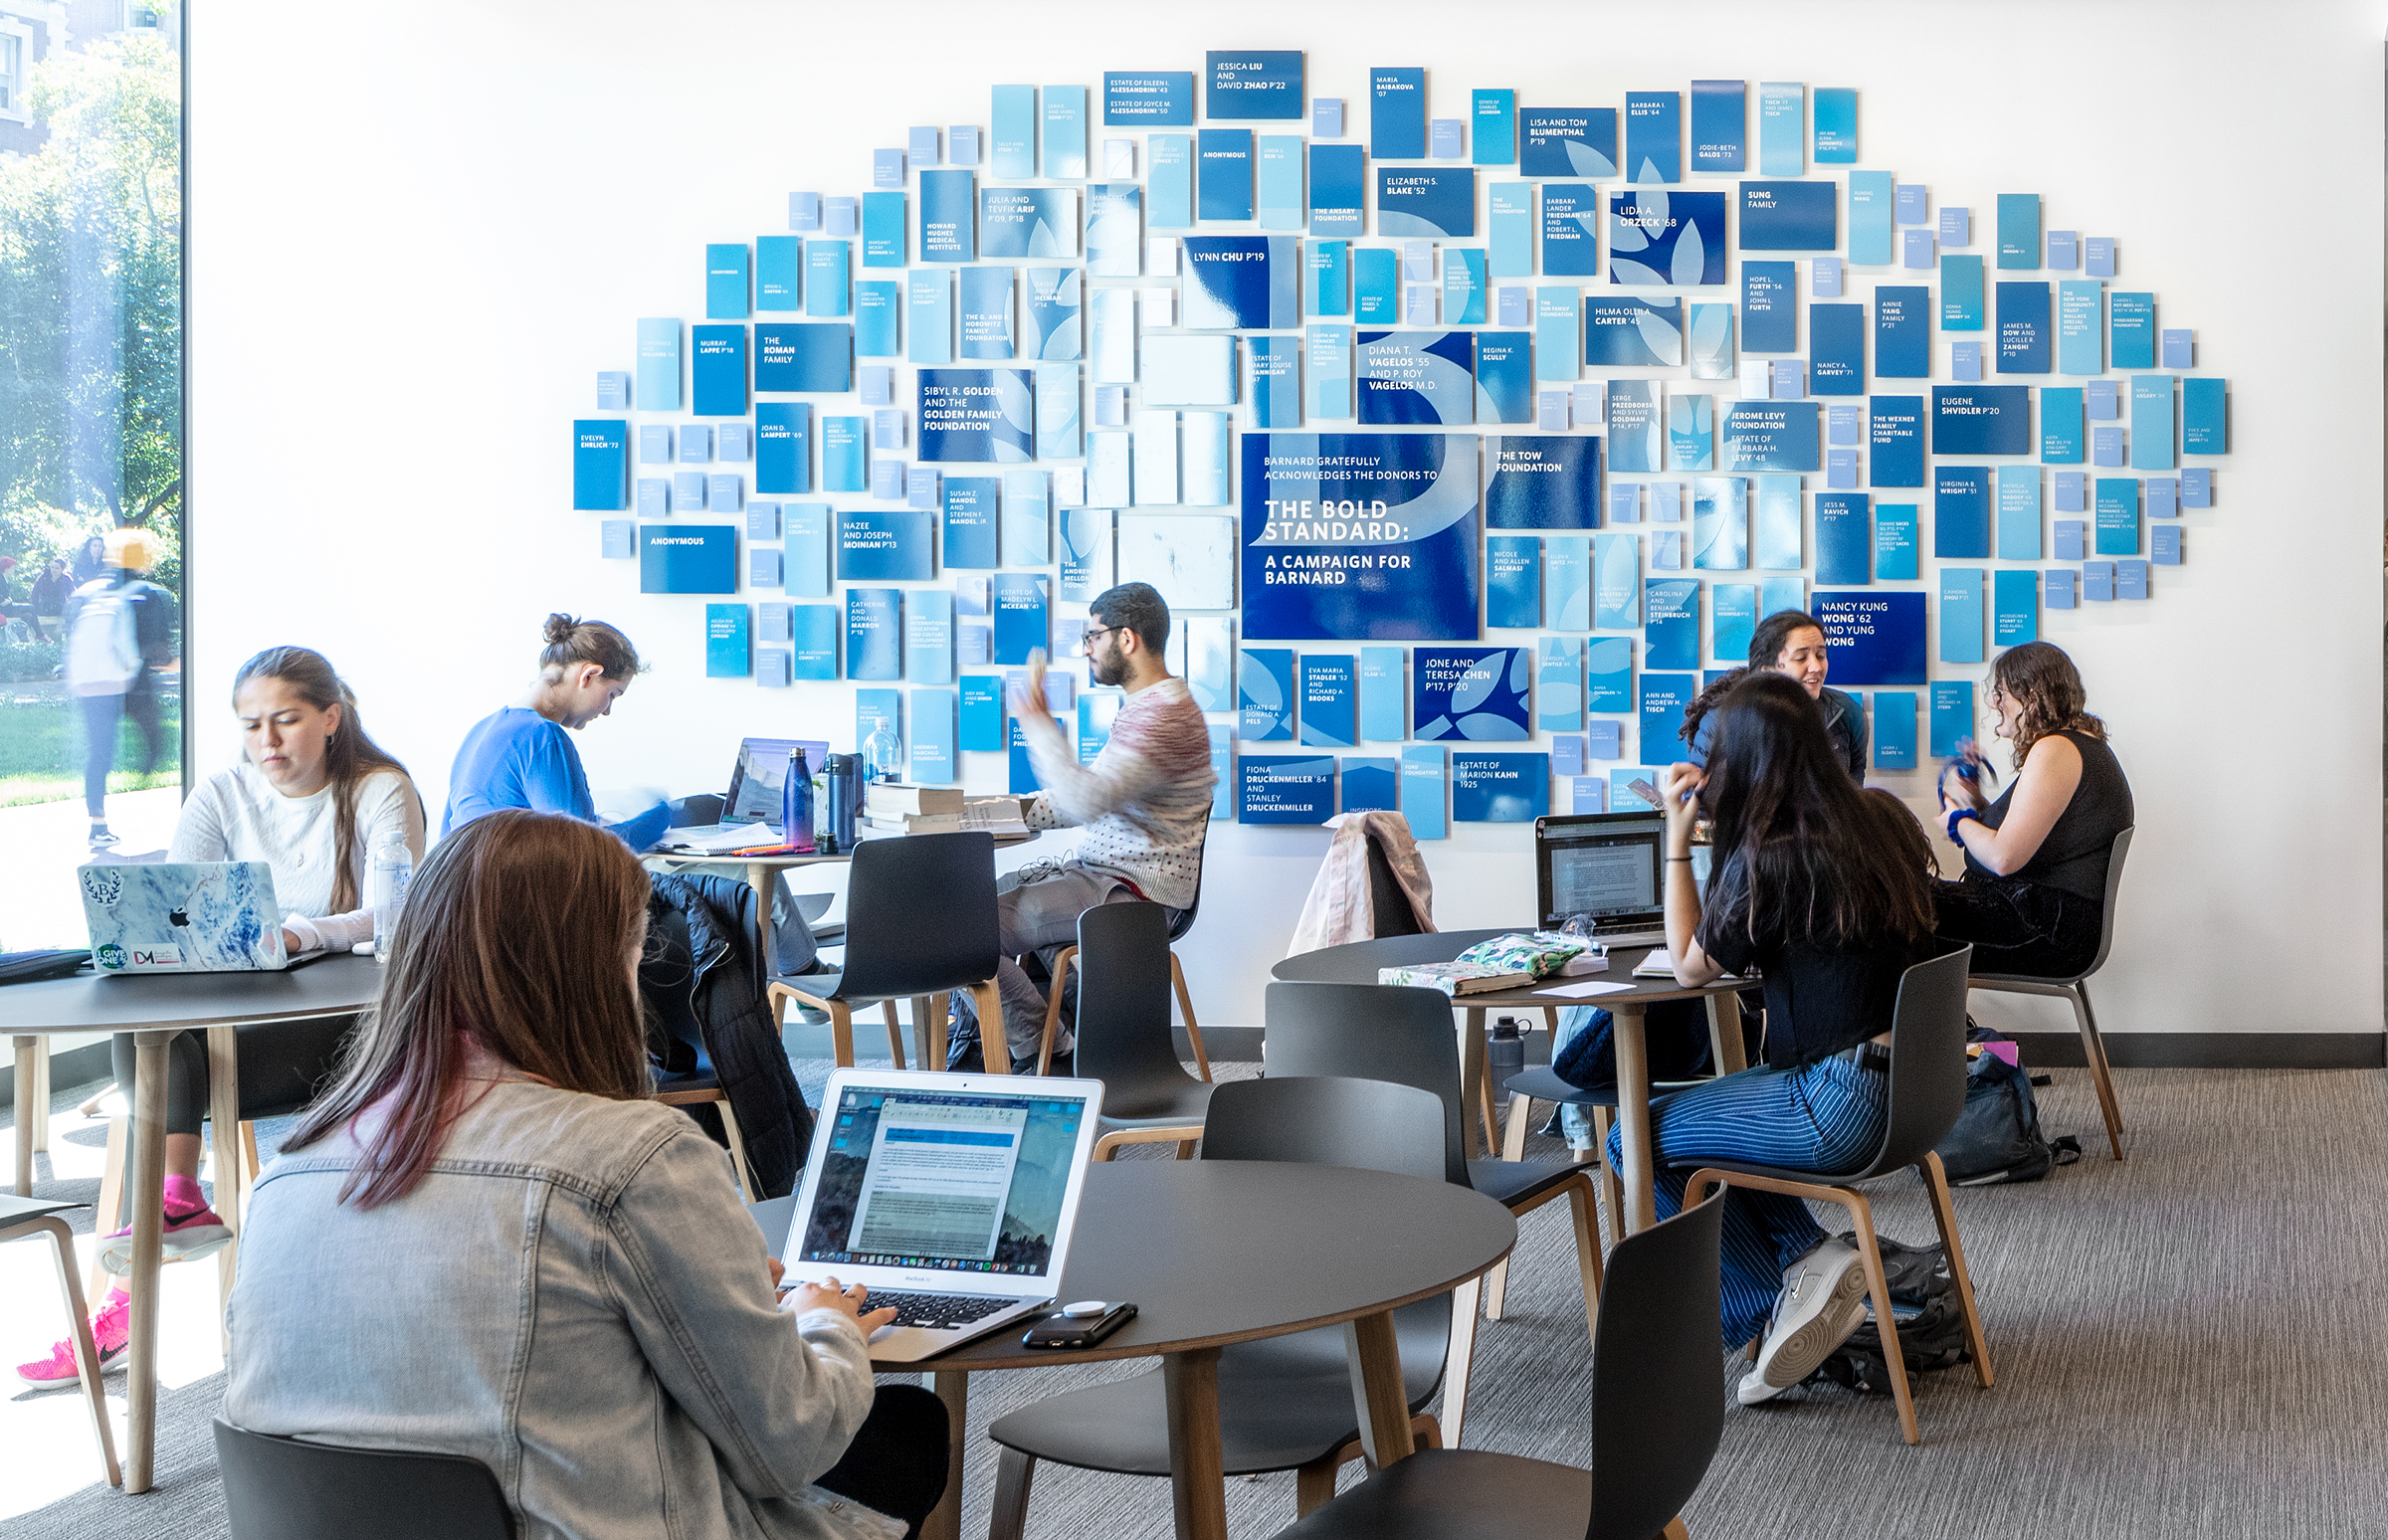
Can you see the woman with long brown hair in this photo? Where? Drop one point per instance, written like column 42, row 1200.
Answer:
column 560, row 1280
column 1825, row 889
column 2033, row 898
column 312, row 797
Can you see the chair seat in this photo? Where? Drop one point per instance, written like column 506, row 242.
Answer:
column 1133, row 1106
column 825, row 986
column 1543, row 1085
column 1786, row 1173
column 16, row 1211
column 1512, row 1182
column 1283, row 1403
column 693, row 1080
column 1458, row 1494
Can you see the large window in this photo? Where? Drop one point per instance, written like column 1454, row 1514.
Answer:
column 90, row 453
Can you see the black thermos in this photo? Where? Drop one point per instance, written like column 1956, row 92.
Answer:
column 845, row 797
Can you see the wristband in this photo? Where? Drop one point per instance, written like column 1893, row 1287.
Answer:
column 1958, row 816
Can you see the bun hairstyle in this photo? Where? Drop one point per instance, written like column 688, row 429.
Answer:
column 571, row 642
column 348, row 757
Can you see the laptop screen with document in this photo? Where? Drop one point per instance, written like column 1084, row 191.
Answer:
column 1602, row 865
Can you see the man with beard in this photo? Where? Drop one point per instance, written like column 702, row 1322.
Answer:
column 1143, row 804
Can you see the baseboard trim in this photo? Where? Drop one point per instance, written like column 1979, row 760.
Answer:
column 74, row 1067
column 2211, row 1049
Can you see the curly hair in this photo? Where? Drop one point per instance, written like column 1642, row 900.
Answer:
column 2042, row 679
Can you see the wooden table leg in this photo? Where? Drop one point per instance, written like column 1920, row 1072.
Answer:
column 1474, row 1091
column 758, row 877
column 1196, row 1465
column 1724, row 1034
column 1376, row 1389
column 1632, row 1111
column 944, row 1521
column 40, row 1105
column 25, row 1092
column 224, row 1110
column 149, row 1227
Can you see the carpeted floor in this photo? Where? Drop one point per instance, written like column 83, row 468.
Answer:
column 2186, row 1347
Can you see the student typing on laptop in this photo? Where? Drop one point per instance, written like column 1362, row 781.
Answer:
column 312, row 797
column 558, row 1278
column 1144, row 804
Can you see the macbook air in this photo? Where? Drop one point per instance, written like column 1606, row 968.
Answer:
column 1605, row 866
column 182, row 916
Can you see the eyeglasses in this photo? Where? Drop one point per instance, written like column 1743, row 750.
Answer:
column 1087, row 643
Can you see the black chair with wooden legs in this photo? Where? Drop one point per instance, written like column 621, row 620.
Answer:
column 1182, row 922
column 920, row 924
column 1657, row 1416
column 1927, row 1091
column 1123, row 1035
column 2075, row 990
column 1286, row 1402
column 1405, row 1036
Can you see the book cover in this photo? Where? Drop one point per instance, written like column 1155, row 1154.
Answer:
column 928, row 637
column 2130, row 580
column 718, row 372
column 1112, row 335
column 2105, row 447
column 2117, row 516
column 2019, row 230
column 1671, row 623
column 1559, row 689
column 2067, row 545
column 981, row 714
column 1770, row 436
column 1661, row 237
column 1837, row 349
column 932, row 745
column 654, row 444
column 2097, row 256
column 1782, row 129
column 1903, row 332
column 1383, row 696
column 1981, row 420
column 1189, row 371
column 948, row 230
column 1720, row 124
column 2063, row 250
column 763, row 523
column 2197, row 488
column 844, row 454
column 1504, row 386
column 2017, row 512
column 783, row 433
column 1873, row 238
column 1956, row 227
column 2098, row 582
column 877, row 305
column 773, row 668
column 1114, row 230
column 1493, row 118
column 1769, row 306
column 1431, row 203
column 928, row 317
column 1376, row 285
column 2164, row 545
column 1666, row 503
column 2180, row 350
column 1513, row 582
column 1397, row 114
column 1841, row 469
column 1464, row 285
column 1961, row 511
column 725, row 289
column 1065, row 121
column 1961, row 294
column 1782, row 592
column 1328, row 350
column 1149, row 98
column 1872, row 636
column 1222, row 178
column 1279, row 178
column 2023, row 329
column 1509, row 230
column 1897, row 545
column 800, row 357
column 1371, row 784
column 618, row 539
column 1019, row 223
column 1654, row 137
column 1327, row 279
column 1413, row 377
column 2080, row 326
column 1156, row 456
column 1636, row 437
column 1189, row 557
column 1732, row 619
column 1608, row 686
column 1265, row 695
column 1329, row 712
column 1204, row 458
column 1962, row 612
column 1024, row 516
column 1568, row 143
column 976, row 415
column 885, row 243
column 1661, row 709
column 778, row 273
column 1897, row 425
column 659, row 364
column 883, row 545
column 1790, row 217
column 2205, row 420
column 1208, row 661
column 1480, row 694
column 1285, row 789
column 1844, row 538
column 813, row 635
column 2061, row 590
column 1690, row 433
column 2015, row 606
column 2132, row 322
column 1711, row 341
column 1241, row 282
column 2061, row 433
column 1020, row 770
column 1615, row 582
column 1570, row 229
column 1057, row 414
column 1777, row 545
column 1494, row 788
column 873, row 633
column 600, row 464
column 841, row 218
column 2164, row 496
column 1020, row 616
column 1836, row 125
column 2151, row 422
column 1253, row 84
column 1790, row 379
column 806, row 569
column 2101, row 400
column 687, row 491
column 1274, row 391
column 1720, row 522
column 1953, row 715
column 1338, row 187
column 1557, row 334
column 1894, row 730
column 1632, row 333
column 973, row 505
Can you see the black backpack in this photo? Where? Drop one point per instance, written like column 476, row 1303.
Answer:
column 1997, row 1136
column 1931, row 1326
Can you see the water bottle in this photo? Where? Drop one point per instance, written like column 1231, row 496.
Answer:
column 393, row 872
column 884, row 753
column 845, row 791
column 1505, row 1055
column 796, row 803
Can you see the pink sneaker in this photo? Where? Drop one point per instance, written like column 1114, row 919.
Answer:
column 112, row 1329
column 192, row 1230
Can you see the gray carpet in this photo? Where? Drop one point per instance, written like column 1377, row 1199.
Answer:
column 2186, row 1346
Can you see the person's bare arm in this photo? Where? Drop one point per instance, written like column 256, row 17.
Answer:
column 2050, row 776
column 1679, row 790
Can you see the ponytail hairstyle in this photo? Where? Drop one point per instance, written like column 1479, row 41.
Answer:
column 1767, row 644
column 2040, row 677
column 571, row 642
column 350, row 756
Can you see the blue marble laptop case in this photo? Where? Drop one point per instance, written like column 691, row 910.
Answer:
column 212, row 917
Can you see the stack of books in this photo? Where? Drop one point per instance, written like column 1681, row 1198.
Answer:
column 895, row 807
column 1454, row 978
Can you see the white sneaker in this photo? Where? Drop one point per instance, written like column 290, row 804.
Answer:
column 1822, row 1304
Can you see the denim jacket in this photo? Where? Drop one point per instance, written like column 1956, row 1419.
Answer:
column 574, row 1296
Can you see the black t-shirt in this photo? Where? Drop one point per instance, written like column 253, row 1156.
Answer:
column 1820, row 1000
column 2073, row 857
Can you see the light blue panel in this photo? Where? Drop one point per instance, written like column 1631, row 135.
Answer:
column 1560, row 685
column 1425, row 790
column 1384, row 695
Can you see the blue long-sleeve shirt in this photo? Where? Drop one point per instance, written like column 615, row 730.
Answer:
column 516, row 758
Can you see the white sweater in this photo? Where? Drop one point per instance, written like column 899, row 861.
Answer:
column 237, row 814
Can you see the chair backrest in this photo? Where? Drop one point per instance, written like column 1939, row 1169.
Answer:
column 1124, row 998
column 1376, row 1032
column 278, row 1488
column 2106, row 935
column 1390, row 913
column 1327, row 1120
column 1185, row 917
column 1928, row 1060
column 919, row 915
column 1658, row 1411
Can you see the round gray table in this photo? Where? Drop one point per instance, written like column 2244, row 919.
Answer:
column 153, row 1008
column 1358, row 962
column 1220, row 1251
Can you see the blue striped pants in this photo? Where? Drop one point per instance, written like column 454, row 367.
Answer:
column 1823, row 1117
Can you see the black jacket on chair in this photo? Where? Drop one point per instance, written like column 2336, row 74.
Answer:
column 703, row 987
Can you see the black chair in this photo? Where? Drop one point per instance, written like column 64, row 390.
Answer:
column 1059, row 971
column 920, row 924
column 2076, row 990
column 278, row 1488
column 23, row 1216
column 1927, row 1091
column 1405, row 1036
column 1285, row 1402
column 1543, row 1083
column 1657, row 1416
column 1123, row 1035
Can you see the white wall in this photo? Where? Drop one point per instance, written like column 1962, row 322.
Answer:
column 417, row 233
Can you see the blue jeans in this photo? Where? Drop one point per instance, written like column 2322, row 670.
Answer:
column 1825, row 1117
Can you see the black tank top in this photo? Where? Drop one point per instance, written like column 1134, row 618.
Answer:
column 2074, row 856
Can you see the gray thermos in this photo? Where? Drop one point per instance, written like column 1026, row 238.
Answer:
column 1505, row 1055
column 845, row 796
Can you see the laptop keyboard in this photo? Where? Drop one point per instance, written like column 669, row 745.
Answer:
column 937, row 1310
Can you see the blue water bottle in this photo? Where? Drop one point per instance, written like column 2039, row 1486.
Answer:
column 796, row 805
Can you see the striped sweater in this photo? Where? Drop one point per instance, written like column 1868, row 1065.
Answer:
column 1146, row 801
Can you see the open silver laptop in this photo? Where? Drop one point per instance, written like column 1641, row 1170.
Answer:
column 950, row 1197
column 750, row 808
column 1605, row 866
column 214, row 916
